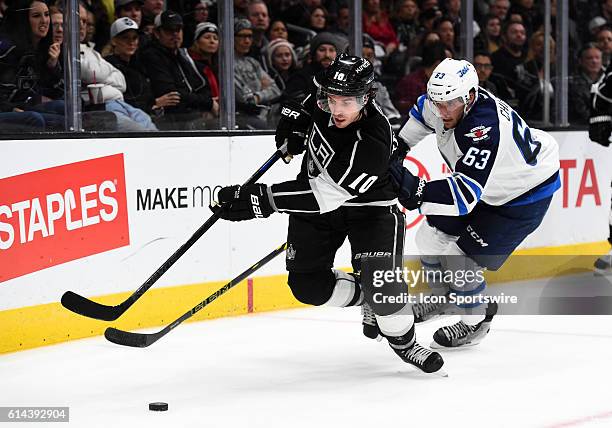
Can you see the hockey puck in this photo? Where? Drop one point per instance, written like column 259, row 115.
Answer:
column 158, row 406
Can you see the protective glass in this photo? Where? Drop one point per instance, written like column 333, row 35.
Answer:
column 334, row 103
column 447, row 108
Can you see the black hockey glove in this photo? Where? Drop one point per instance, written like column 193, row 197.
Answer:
column 292, row 128
column 600, row 128
column 238, row 203
column 401, row 151
column 408, row 187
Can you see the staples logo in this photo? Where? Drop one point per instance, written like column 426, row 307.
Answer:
column 59, row 214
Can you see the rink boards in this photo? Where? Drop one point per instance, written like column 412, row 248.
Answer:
column 98, row 216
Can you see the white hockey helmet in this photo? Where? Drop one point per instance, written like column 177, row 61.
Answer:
column 452, row 79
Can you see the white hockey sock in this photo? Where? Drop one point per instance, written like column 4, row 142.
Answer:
column 347, row 291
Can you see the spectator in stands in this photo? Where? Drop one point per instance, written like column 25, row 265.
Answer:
column 323, row 50
column 383, row 99
column 57, row 23
column 299, row 12
column 197, row 14
column 171, row 70
column 410, row 87
column 429, row 4
column 604, row 43
column 406, row 22
column 489, row 39
column 29, row 67
column 124, row 40
column 445, row 29
column 277, row 30
column 530, row 78
column 282, row 61
column 152, row 8
column 512, row 52
column 342, row 21
column 205, row 52
column 376, row 23
column 108, row 111
column 451, row 10
column 318, row 19
column 590, row 70
column 595, row 25
column 487, row 80
column 530, row 14
column 98, row 23
column 500, row 8
column 255, row 89
column 428, row 17
column 260, row 23
column 241, row 9
column 129, row 9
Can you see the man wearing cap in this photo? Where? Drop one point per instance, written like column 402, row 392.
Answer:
column 172, row 70
column 133, row 9
column 323, row 50
column 124, row 40
column 254, row 87
column 129, row 9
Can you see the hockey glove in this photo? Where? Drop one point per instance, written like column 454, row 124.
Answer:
column 292, row 128
column 600, row 128
column 401, row 151
column 238, row 203
column 408, row 187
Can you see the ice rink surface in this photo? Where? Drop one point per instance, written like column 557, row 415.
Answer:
column 313, row 368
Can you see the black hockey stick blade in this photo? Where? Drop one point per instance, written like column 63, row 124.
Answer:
column 142, row 340
column 83, row 306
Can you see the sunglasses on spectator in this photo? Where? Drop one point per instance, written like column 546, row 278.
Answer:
column 244, row 36
column 483, row 65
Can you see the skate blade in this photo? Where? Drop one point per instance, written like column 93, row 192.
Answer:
column 602, row 272
column 439, row 373
column 432, row 318
column 436, row 345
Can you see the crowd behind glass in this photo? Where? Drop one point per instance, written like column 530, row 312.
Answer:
column 148, row 65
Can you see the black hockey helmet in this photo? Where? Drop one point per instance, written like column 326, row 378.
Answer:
column 348, row 75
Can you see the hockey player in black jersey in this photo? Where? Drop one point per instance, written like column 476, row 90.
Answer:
column 600, row 131
column 342, row 191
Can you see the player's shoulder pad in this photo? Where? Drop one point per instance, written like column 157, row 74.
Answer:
column 481, row 124
column 418, row 108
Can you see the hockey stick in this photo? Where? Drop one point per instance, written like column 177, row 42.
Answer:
column 86, row 307
column 142, row 340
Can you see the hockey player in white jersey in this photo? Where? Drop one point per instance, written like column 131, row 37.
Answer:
column 503, row 177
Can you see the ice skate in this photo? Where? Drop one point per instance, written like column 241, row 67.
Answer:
column 370, row 326
column 425, row 312
column 603, row 265
column 460, row 334
column 422, row 358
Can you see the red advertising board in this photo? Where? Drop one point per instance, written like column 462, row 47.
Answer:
column 59, row 214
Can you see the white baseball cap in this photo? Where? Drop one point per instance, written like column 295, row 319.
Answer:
column 121, row 25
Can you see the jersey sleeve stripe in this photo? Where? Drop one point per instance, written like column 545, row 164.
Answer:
column 461, row 205
column 474, row 185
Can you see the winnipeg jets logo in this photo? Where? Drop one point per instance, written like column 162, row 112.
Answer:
column 479, row 133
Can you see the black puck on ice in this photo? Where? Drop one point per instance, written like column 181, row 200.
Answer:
column 158, row 406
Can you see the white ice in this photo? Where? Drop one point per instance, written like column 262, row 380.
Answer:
column 313, row 368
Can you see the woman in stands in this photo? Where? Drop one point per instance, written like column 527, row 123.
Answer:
column 29, row 65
